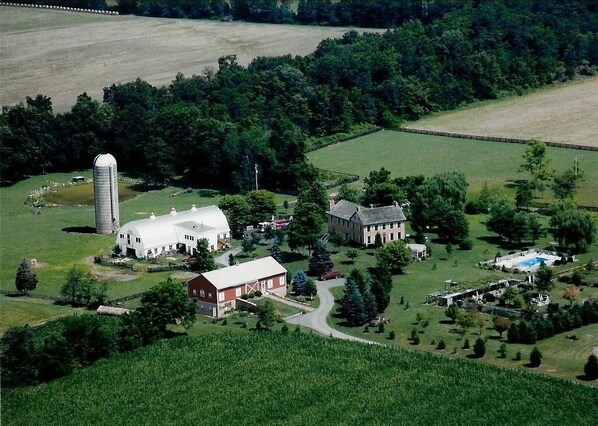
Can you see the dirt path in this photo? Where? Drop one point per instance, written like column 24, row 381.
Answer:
column 63, row 62
column 566, row 113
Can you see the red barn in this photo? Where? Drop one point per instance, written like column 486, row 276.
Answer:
column 216, row 292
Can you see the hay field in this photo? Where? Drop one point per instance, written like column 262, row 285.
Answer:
column 66, row 53
column 566, row 113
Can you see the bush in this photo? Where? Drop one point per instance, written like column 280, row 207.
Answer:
column 466, row 245
column 479, row 348
column 245, row 296
column 258, row 293
column 441, row 345
column 392, row 335
column 518, row 356
column 415, row 340
column 591, row 368
column 225, row 322
column 577, row 278
column 381, row 328
column 502, row 350
column 535, row 358
column 284, row 329
column 565, row 279
column 466, row 344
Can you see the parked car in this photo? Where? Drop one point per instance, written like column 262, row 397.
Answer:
column 190, row 259
column 331, row 274
column 379, row 320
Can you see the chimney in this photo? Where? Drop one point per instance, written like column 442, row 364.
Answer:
column 193, row 208
column 371, row 206
column 152, row 216
column 394, row 203
column 357, row 208
column 173, row 211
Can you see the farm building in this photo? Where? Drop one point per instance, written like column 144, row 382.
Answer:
column 361, row 224
column 216, row 292
column 176, row 231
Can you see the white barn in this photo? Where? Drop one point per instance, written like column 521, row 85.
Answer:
column 176, row 231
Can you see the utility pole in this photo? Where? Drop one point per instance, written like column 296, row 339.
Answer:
column 256, row 187
column 575, row 165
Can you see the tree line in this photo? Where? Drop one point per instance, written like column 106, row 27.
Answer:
column 214, row 128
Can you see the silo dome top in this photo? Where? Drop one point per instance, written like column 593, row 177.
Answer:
column 104, row 160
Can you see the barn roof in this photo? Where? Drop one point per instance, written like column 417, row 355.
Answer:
column 242, row 273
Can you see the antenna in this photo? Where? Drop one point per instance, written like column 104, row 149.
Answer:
column 256, row 172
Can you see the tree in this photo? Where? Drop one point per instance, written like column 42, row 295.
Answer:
column 452, row 312
column 380, row 190
column 535, row 358
column 501, row 324
column 544, row 278
column 204, row 262
column 591, row 368
column 572, row 227
column 56, row 357
column 18, row 357
column 320, row 259
column 381, row 286
column 352, row 254
column 299, row 283
column 524, row 195
column 79, row 286
column 159, row 169
column 266, row 314
column 231, row 259
column 352, row 305
column 261, row 206
column 361, row 281
column 395, row 255
column 479, row 347
column 275, row 251
column 310, row 288
column 479, row 320
column 505, row 220
column 25, row 279
column 167, row 303
column 536, row 163
column 349, row 193
column 370, row 308
column 571, row 293
column 248, row 245
column 465, row 322
column 534, row 228
column 565, row 185
column 236, row 209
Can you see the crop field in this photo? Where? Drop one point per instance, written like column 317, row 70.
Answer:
column 271, row 378
column 565, row 113
column 63, row 54
column 482, row 162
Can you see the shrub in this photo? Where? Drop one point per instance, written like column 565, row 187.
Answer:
column 251, row 295
column 502, row 350
column 225, row 322
column 415, row 340
column 258, row 293
column 381, row 328
column 392, row 335
column 576, row 278
column 591, row 368
column 245, row 296
column 466, row 344
column 466, row 245
column 565, row 279
column 244, row 325
column 284, row 329
column 479, row 348
column 535, row 357
column 518, row 356
column 441, row 345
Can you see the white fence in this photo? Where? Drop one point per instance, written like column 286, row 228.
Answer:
column 63, row 8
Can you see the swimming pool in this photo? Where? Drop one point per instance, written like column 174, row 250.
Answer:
column 526, row 262
column 532, row 262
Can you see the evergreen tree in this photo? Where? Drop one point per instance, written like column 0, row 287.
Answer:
column 352, row 303
column 479, row 348
column 381, row 286
column 544, row 278
column 591, row 368
column 299, row 283
column 369, row 306
column 266, row 314
column 25, row 280
column 231, row 259
column 535, row 358
column 204, row 262
column 275, row 251
column 248, row 245
column 310, row 288
column 361, row 281
column 320, row 259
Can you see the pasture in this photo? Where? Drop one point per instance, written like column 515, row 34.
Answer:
column 63, row 54
column 482, row 162
column 565, row 113
column 272, row 378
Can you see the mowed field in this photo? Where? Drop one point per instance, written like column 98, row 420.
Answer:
column 63, row 54
column 482, row 162
column 566, row 113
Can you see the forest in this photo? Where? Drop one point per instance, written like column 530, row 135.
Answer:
column 212, row 129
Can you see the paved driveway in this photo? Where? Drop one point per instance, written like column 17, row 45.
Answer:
column 318, row 319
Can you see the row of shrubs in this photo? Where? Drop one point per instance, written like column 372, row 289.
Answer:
column 557, row 320
column 248, row 296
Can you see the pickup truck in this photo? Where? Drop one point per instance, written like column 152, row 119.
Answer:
column 379, row 320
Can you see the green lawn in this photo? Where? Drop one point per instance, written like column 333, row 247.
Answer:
column 257, row 378
column 409, row 154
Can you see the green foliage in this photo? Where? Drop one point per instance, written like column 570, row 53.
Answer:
column 18, row 357
column 535, row 358
column 502, row 350
column 536, row 163
column 204, row 262
column 452, row 312
column 248, row 245
column 81, row 287
column 565, row 185
column 394, row 255
column 299, row 282
column 320, row 259
column 441, row 345
column 167, row 303
column 310, row 288
column 275, row 251
column 507, row 221
column 572, row 227
column 544, row 278
column 591, row 368
column 479, row 348
column 25, row 279
column 352, row 254
column 353, row 305
column 236, row 209
column 261, row 206
column 381, row 286
column 266, row 314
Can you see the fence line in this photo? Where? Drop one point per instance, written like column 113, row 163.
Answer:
column 496, row 139
column 62, row 8
column 344, row 138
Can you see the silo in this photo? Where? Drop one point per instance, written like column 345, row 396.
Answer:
column 105, row 190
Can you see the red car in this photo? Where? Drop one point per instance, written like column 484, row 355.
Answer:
column 330, row 275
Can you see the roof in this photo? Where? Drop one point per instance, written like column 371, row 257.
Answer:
column 104, row 160
column 159, row 230
column 242, row 273
column 368, row 215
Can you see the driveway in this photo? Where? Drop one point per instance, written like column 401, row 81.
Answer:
column 318, row 319
column 223, row 258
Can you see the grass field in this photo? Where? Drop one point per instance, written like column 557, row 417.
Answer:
column 63, row 54
column 565, row 113
column 82, row 194
column 271, row 378
column 408, row 154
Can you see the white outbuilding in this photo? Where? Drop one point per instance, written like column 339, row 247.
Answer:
column 174, row 232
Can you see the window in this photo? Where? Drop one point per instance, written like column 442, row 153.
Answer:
column 281, row 281
column 202, row 293
column 392, row 236
column 375, row 227
column 238, row 292
column 209, row 295
column 221, row 296
column 384, row 226
column 122, row 235
column 391, row 225
column 194, row 292
column 137, row 240
column 369, row 239
column 270, row 283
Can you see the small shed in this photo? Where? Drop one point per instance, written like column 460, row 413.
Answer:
column 418, row 251
column 78, row 179
column 111, row 310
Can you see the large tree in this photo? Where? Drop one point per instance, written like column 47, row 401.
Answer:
column 352, row 304
column 572, row 227
column 266, row 314
column 204, row 261
column 565, row 185
column 395, row 255
column 261, row 206
column 536, row 163
column 25, row 279
column 544, row 278
column 79, row 286
column 381, row 285
column 320, row 259
column 236, row 209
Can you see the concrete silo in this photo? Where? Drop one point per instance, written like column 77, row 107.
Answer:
column 105, row 190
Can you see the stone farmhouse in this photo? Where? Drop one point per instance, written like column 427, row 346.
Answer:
column 216, row 292
column 174, row 232
column 360, row 224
